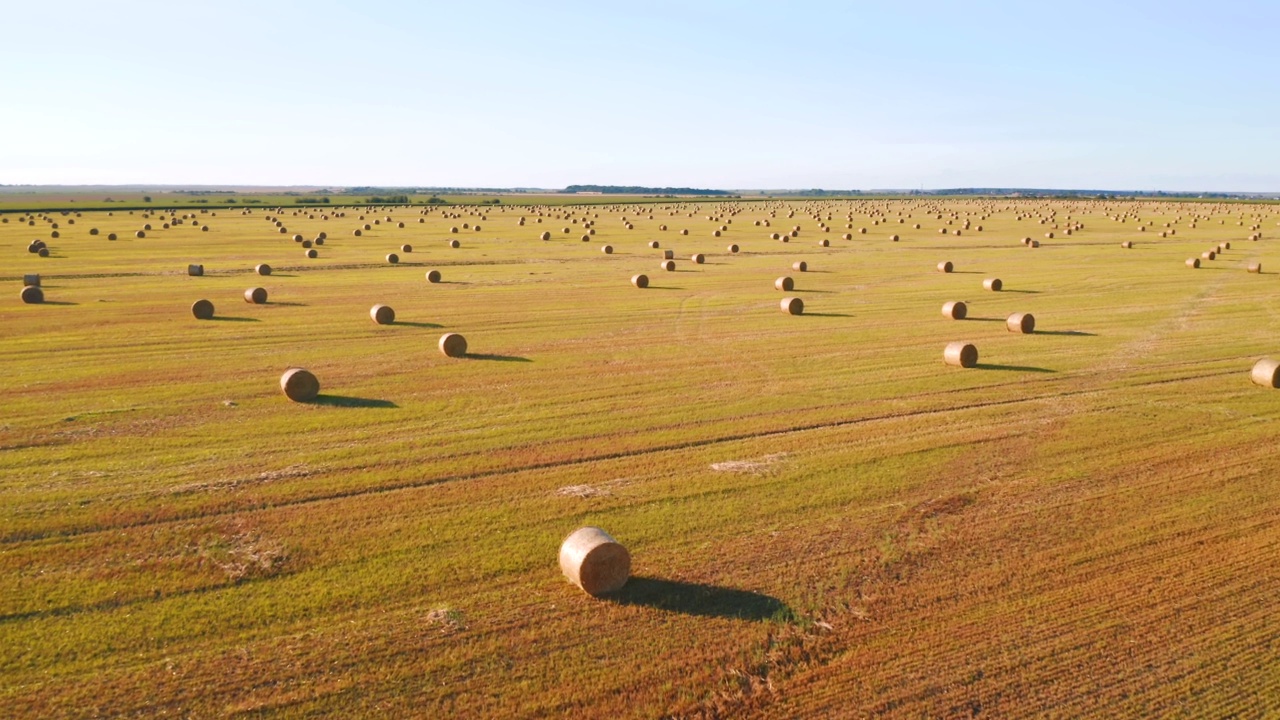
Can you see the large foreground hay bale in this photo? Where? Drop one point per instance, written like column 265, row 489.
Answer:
column 453, row 345
column 1024, row 323
column 257, row 295
column 960, row 354
column 785, row 284
column 956, row 310
column 299, row 385
column 202, row 310
column 591, row 559
column 382, row 314
column 32, row 295
column 992, row 284
column 1266, row 372
column 641, row 281
column 792, row 306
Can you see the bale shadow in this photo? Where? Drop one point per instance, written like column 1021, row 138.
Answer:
column 1024, row 292
column 228, row 318
column 1014, row 368
column 409, row 323
column 700, row 600
column 1066, row 333
column 56, row 302
column 964, row 272
column 978, row 319
column 824, row 314
column 352, row 402
column 824, row 292
column 663, row 287
column 276, row 275
column 497, row 358
column 285, row 304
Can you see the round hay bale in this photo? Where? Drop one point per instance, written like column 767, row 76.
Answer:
column 32, row 295
column 455, row 244
column 546, row 235
column 433, row 276
column 262, row 269
column 367, row 226
column 960, row 354
column 195, row 270
column 1034, row 244
column 453, row 345
column 591, row 559
column 356, row 232
column 93, row 231
column 785, row 284
column 775, row 236
column 202, row 310
column 800, row 266
column 1024, row 323
column 792, row 306
column 111, row 236
column 306, row 243
column 668, row 254
column 31, row 279
column 1049, row 235
column 139, row 234
column 43, row 252
column 992, row 284
column 732, row 248
column 299, row 385
column 1255, row 268
column 313, row 253
column 256, row 296
column 698, row 258
column 401, row 225
column 318, row 241
column 945, row 266
column 382, row 314
column 684, row 232
column 297, row 238
column 893, row 238
column 669, row 265
column 406, row 248
column 1224, row 246
column 146, row 227
column 824, row 242
column 1127, row 244
column 956, row 310
column 393, row 258
column 653, row 244
column 641, row 281
column 1193, row 263
column 1266, row 372
column 1208, row 255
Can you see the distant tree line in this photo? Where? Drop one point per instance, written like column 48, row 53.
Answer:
column 311, row 201
column 641, row 190
column 387, row 200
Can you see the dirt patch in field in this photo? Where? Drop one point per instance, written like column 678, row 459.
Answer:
column 755, row 467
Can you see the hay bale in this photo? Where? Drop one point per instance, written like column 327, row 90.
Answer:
column 1266, row 372
column 433, row 276
column 684, row 232
column 785, row 284
column 640, row 281
column 32, row 295
column 262, row 269
column 299, row 385
column 653, row 244
column 1024, row 323
column 356, row 232
column 591, row 559
column 792, row 306
column 824, row 242
column 139, row 234
column 956, row 310
column 256, row 296
column 297, row 238
column 800, row 266
column 1127, row 244
column 202, row 310
column 1255, row 268
column 732, row 248
column 455, row 244
column 1208, row 255
column 992, row 284
column 669, row 265
column 1193, row 263
column 93, row 231
column 893, row 238
column 1034, row 244
column 960, row 354
column 698, row 258
column 32, row 279
column 382, row 314
column 306, row 243
column 393, row 258
column 775, row 236
column 111, row 236
column 945, row 267
column 453, row 345
column 668, row 254
column 312, row 254
column 546, row 235
column 43, row 252
column 195, row 270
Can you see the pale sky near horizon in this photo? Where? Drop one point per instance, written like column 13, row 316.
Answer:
column 1119, row 95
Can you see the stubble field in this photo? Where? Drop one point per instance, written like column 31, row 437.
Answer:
column 824, row 519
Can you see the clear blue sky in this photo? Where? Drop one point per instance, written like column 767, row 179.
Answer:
column 1114, row 95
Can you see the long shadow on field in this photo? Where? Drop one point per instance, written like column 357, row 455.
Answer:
column 664, row 287
column 699, row 599
column 1024, row 292
column 1066, row 333
column 228, row 318
column 417, row 324
column 497, row 358
column 56, row 302
column 824, row 292
column 352, row 402
column 1014, row 368
column 814, row 314
column 287, row 304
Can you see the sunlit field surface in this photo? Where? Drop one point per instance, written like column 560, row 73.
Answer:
column 823, row 517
